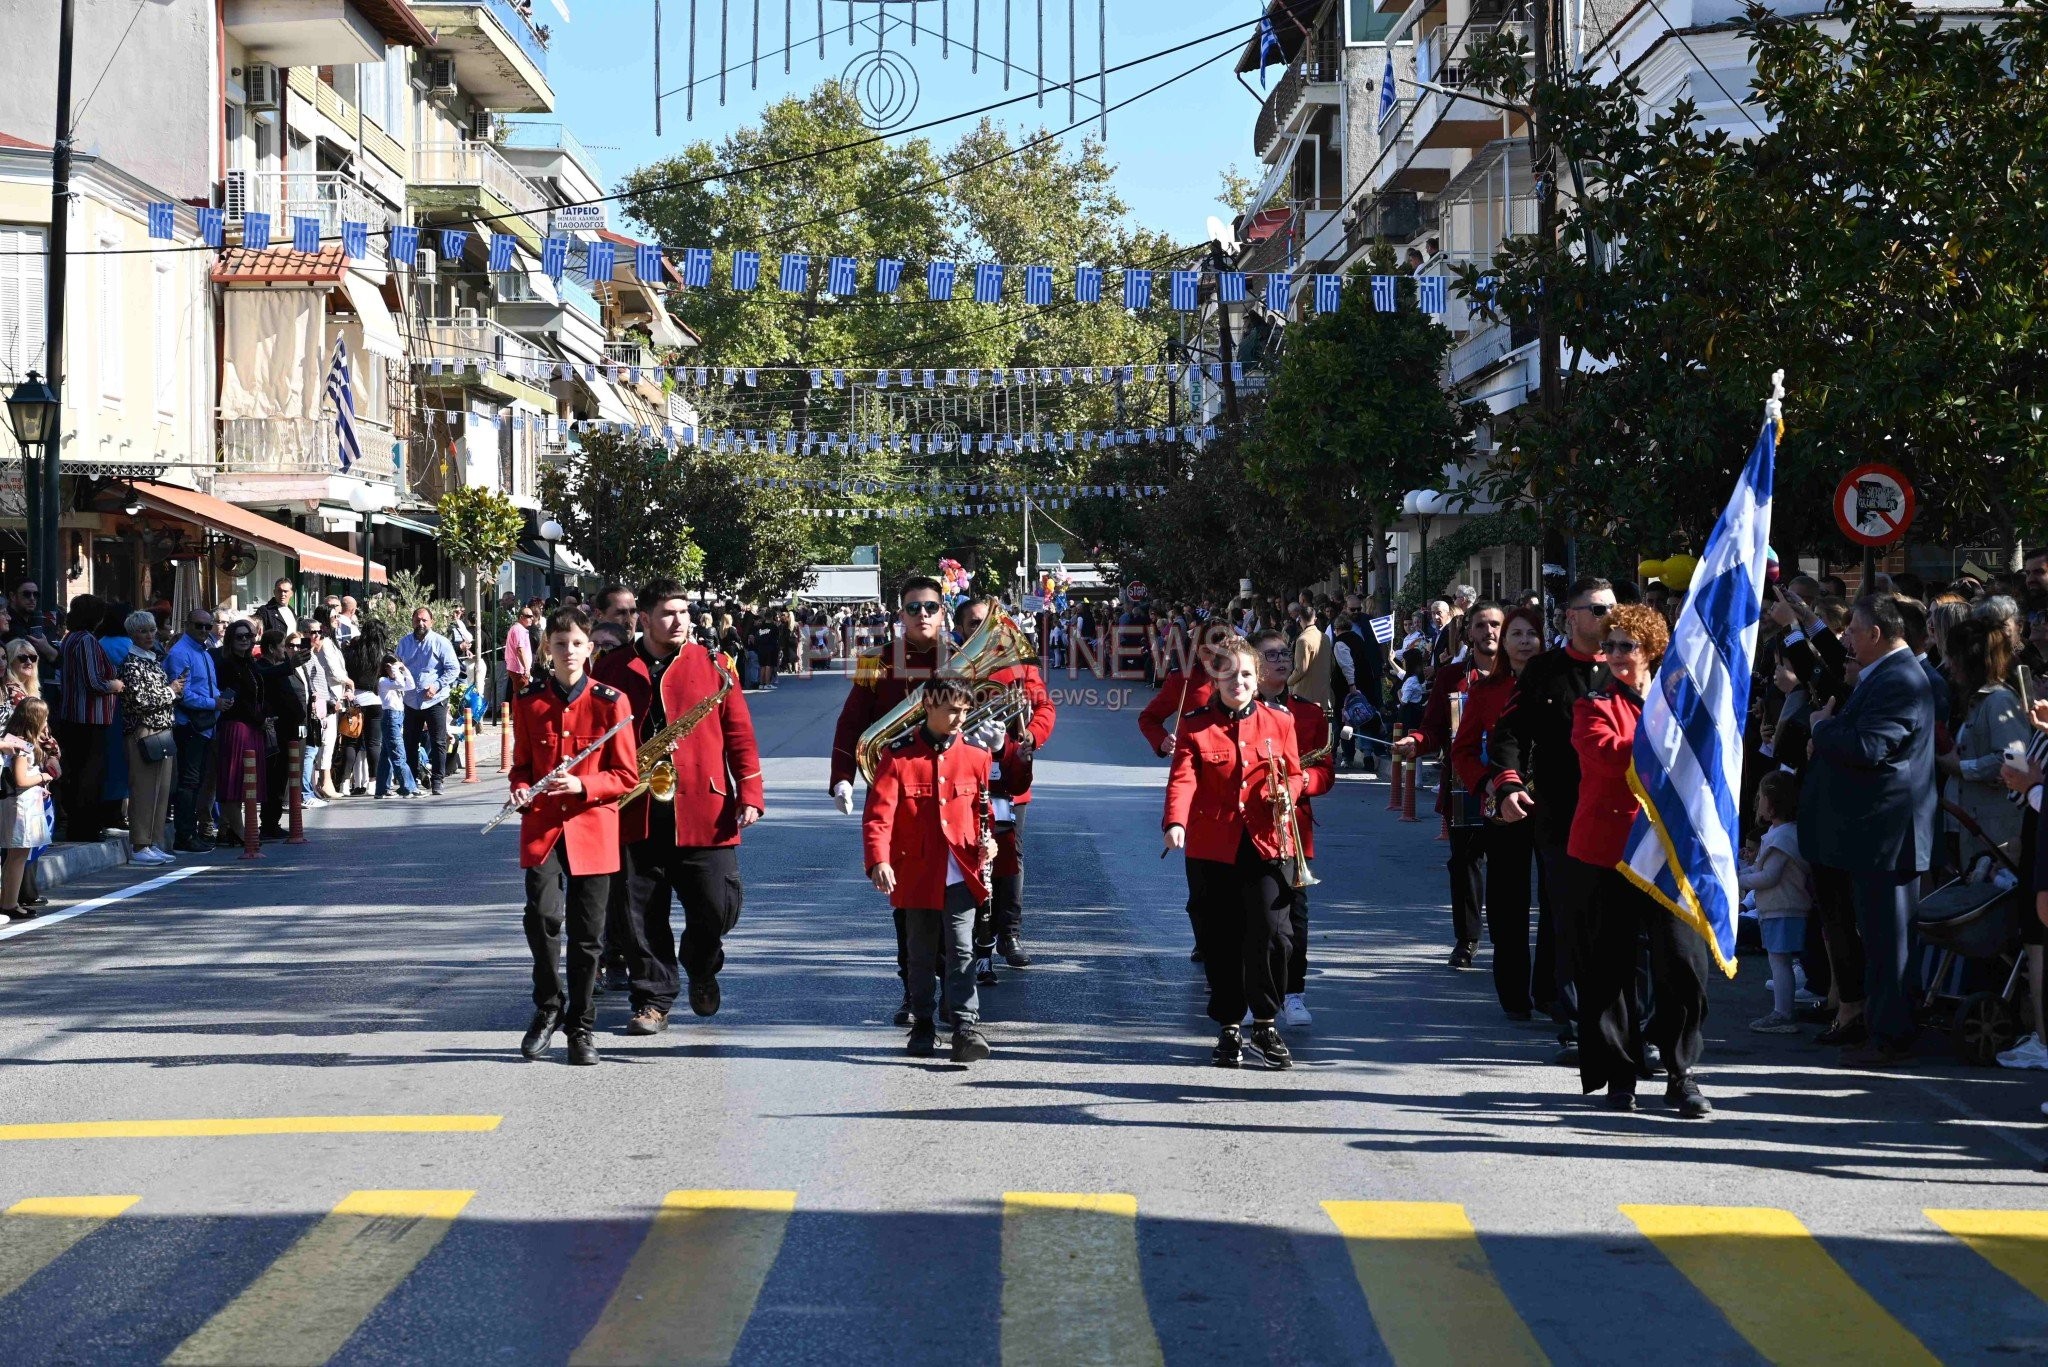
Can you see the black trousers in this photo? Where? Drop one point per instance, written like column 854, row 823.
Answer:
column 1006, row 908
column 706, row 880
column 1568, row 888
column 195, row 756
column 428, row 726
column 558, row 900
column 1242, row 911
column 1834, row 899
column 1468, row 858
column 1613, row 1022
column 618, row 930
column 85, row 771
column 280, row 780
column 1516, row 978
column 1297, row 948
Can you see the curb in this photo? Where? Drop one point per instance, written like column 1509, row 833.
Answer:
column 60, row 864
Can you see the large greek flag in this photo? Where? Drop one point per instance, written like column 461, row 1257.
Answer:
column 341, row 394
column 1688, row 749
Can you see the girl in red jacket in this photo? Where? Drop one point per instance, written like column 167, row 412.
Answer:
column 1617, row 913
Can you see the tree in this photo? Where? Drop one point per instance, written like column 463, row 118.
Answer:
column 479, row 530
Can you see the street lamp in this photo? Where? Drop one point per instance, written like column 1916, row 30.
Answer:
column 32, row 410
column 368, row 500
column 1423, row 505
column 551, row 532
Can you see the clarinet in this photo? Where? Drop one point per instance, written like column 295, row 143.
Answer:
column 554, row 775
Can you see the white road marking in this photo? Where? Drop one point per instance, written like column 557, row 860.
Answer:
column 94, row 904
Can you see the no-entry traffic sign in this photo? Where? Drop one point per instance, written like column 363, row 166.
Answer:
column 1874, row 505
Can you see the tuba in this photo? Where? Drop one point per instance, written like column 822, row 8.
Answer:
column 996, row 645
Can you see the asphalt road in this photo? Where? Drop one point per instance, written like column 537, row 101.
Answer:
column 273, row 1112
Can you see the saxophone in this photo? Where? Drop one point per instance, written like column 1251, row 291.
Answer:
column 657, row 770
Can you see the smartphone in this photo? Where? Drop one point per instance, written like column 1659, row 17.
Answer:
column 2023, row 679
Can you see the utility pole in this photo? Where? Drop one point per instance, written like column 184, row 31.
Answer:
column 1542, row 161
column 1216, row 260
column 48, row 559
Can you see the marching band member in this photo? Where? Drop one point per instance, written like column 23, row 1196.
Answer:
column 568, row 829
column 1011, row 800
column 1221, row 810
column 1448, row 690
column 1311, row 737
column 687, row 849
column 928, row 844
column 1186, row 687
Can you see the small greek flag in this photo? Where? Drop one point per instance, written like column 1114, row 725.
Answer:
column 554, row 256
column 1383, row 292
column 355, row 240
column 339, row 394
column 163, row 221
column 1329, row 293
column 600, row 261
column 888, row 275
column 501, row 251
column 306, row 235
column 213, row 227
column 988, row 283
column 938, row 281
column 1038, row 285
column 1388, row 99
column 405, row 245
column 1187, row 290
column 1230, row 287
column 1087, row 284
column 1383, row 629
column 256, row 231
column 746, row 270
column 697, row 268
column 1279, row 291
column 647, row 262
column 796, row 272
column 453, row 240
column 1137, row 289
column 842, row 276
column 1431, row 294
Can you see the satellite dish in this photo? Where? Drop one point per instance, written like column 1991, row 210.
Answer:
column 1221, row 234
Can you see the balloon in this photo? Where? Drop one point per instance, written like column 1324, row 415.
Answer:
column 1650, row 569
column 1679, row 570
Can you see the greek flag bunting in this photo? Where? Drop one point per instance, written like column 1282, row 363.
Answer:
column 1279, row 291
column 842, row 276
column 1431, row 293
column 888, row 275
column 1230, row 287
column 453, row 240
column 213, row 227
column 1187, row 290
column 988, row 283
column 697, row 268
column 340, row 395
column 501, row 251
column 647, row 261
column 355, row 240
column 1087, row 284
column 938, row 281
column 746, row 270
column 256, row 231
column 796, row 272
column 162, row 221
column 305, row 235
column 554, row 256
column 1038, row 284
column 1687, row 763
column 1137, row 289
column 600, row 260
column 1329, row 293
column 1383, row 293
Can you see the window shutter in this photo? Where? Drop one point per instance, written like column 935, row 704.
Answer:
column 167, row 332
column 21, row 302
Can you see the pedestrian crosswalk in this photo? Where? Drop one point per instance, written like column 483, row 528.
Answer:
column 717, row 1275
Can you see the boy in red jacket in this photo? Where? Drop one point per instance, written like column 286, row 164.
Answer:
column 926, row 843
column 568, row 828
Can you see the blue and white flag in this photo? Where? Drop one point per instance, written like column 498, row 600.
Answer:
column 1038, row 284
column 1186, row 290
column 306, row 235
column 1329, row 293
column 554, row 256
column 647, row 262
column 1230, row 287
column 1383, row 629
column 1388, row 99
column 988, row 283
column 746, row 270
column 355, row 240
column 888, row 275
column 938, row 281
column 256, row 231
column 501, row 251
column 1384, row 292
column 1431, row 293
column 600, row 261
column 213, row 227
column 342, row 397
column 1087, row 284
column 796, row 272
column 842, row 276
column 1279, row 291
column 163, row 221
column 1688, row 748
column 453, row 240
column 1270, row 50
column 1137, row 289
column 697, row 268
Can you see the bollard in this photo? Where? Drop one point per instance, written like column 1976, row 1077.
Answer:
column 1408, row 791
column 504, row 737
column 469, row 747
column 1394, row 775
column 252, row 809
column 297, row 799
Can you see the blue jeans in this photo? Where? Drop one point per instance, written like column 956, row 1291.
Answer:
column 394, row 760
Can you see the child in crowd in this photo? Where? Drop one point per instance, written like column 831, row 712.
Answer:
column 393, row 682
column 1784, row 894
column 1414, row 685
column 24, row 815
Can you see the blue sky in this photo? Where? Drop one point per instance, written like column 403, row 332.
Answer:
column 1168, row 147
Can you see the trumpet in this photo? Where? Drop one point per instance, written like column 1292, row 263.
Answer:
column 657, row 770
column 1287, row 820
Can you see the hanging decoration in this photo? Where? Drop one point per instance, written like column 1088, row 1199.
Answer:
column 790, row 443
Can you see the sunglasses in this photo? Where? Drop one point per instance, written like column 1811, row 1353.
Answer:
column 1597, row 609
column 923, row 609
column 1620, row 647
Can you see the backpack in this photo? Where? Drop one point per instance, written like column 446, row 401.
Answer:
column 1359, row 713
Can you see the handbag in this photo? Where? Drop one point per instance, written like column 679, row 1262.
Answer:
column 350, row 727
column 156, row 746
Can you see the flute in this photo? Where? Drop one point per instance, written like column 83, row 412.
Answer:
column 560, row 771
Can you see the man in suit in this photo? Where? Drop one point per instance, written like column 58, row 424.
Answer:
column 1867, row 813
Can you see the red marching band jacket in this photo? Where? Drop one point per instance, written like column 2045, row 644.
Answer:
column 1487, row 696
column 1434, row 733
column 881, row 679
column 547, row 730
column 1604, row 734
column 718, row 765
column 1311, row 733
column 1180, row 693
column 1017, row 787
column 924, row 810
column 1217, row 790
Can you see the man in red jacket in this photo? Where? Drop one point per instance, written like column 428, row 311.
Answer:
column 926, row 844
column 1011, row 801
column 568, row 829
column 688, row 849
column 1311, row 737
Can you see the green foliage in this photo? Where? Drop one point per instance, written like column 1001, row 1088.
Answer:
column 479, row 528
column 393, row 605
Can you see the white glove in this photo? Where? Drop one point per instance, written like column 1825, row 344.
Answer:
column 842, row 793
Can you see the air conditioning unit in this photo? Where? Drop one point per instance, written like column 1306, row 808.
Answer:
column 260, row 86
column 440, row 75
column 429, row 262
column 234, row 196
column 482, row 127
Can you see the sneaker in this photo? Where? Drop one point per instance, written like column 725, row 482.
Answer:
column 1618, row 1101
column 902, row 1016
column 147, row 856
column 969, row 1045
column 2028, row 1053
column 648, row 1020
column 985, row 972
column 1294, row 1012
column 1775, row 1024
column 163, row 856
column 704, row 996
column 311, row 802
column 924, row 1040
column 1229, row 1050
column 1266, row 1041
column 1011, row 947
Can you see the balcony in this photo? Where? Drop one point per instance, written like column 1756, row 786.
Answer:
column 501, row 56
column 307, row 448
column 306, row 33
column 474, row 338
column 630, row 353
column 549, row 151
column 333, row 197
column 1312, row 77
column 1444, row 120
column 474, row 177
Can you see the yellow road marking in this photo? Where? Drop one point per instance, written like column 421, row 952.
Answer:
column 36, row 1232
column 320, row 1290
column 1777, row 1286
column 692, row 1285
column 1430, row 1285
column 2013, row 1241
column 277, row 1124
column 1073, row 1290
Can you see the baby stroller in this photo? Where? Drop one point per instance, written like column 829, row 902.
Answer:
column 1974, row 922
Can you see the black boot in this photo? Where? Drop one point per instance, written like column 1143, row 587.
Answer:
column 1011, row 946
column 704, row 996
column 582, row 1048
column 541, row 1033
column 902, row 1016
column 969, row 1046
column 1684, row 1093
column 924, row 1040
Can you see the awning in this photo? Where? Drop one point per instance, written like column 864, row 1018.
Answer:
column 611, row 406
column 314, row 555
column 380, row 330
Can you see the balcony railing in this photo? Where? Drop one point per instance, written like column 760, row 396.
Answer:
column 477, row 163
column 1441, row 62
column 474, row 338
column 295, row 446
column 518, row 25
column 548, row 137
column 1320, row 62
column 332, row 197
column 630, row 353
